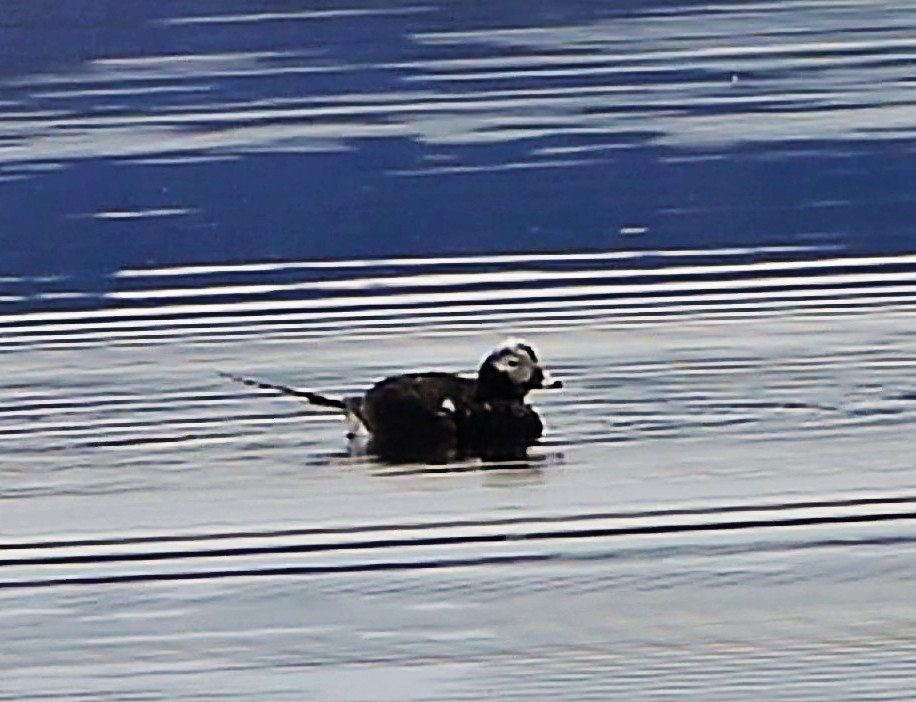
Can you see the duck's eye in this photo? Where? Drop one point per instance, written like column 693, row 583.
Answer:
column 512, row 363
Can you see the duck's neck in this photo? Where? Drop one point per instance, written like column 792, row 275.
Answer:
column 493, row 386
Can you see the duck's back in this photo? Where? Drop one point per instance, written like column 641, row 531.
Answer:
column 417, row 406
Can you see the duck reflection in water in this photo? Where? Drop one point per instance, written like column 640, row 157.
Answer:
column 437, row 417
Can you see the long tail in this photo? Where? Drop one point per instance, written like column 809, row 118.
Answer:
column 312, row 397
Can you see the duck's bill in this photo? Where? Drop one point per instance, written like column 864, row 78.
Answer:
column 542, row 380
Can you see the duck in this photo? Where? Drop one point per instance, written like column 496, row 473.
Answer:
column 438, row 416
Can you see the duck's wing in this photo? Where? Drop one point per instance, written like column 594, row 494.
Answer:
column 430, row 392
column 417, row 404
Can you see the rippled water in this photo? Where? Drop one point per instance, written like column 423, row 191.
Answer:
column 699, row 213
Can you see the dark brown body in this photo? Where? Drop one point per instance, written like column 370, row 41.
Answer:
column 436, row 417
column 440, row 416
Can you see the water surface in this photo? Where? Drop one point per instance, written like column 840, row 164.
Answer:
column 699, row 213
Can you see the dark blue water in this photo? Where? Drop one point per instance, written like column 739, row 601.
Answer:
column 700, row 213
column 161, row 133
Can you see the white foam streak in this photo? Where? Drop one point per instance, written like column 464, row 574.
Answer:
column 142, row 214
column 789, row 49
column 342, row 13
column 492, row 168
column 441, row 280
column 406, row 299
column 612, row 69
column 461, row 260
column 422, row 322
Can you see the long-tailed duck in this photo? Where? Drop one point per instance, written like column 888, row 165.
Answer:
column 437, row 416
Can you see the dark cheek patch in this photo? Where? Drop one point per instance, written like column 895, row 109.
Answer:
column 530, row 351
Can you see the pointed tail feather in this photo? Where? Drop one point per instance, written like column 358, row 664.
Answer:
column 312, row 397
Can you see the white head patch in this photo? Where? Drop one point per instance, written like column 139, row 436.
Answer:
column 515, row 359
column 514, row 344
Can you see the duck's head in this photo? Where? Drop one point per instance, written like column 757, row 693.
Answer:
column 511, row 371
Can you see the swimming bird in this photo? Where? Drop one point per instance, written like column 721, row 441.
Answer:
column 436, row 416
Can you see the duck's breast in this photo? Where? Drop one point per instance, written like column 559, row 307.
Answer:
column 509, row 426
